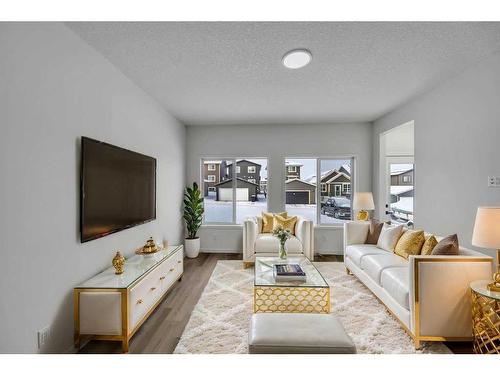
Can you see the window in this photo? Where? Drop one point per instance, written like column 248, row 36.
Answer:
column 251, row 169
column 401, row 192
column 335, row 205
column 300, row 190
column 332, row 203
column 231, row 200
column 211, row 167
column 218, row 206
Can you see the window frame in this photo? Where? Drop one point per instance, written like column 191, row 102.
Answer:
column 210, row 180
column 233, row 169
column 253, row 169
column 211, row 167
column 318, row 224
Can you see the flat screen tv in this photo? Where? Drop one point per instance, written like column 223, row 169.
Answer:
column 118, row 189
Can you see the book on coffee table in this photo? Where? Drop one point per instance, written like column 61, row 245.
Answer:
column 288, row 272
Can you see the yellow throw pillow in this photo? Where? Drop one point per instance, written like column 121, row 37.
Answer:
column 285, row 223
column 268, row 221
column 429, row 245
column 410, row 243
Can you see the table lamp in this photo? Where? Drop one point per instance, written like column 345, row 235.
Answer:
column 363, row 202
column 487, row 234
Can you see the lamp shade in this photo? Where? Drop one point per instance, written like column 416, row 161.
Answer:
column 487, row 228
column 363, row 201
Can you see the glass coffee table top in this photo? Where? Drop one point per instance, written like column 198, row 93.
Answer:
column 264, row 273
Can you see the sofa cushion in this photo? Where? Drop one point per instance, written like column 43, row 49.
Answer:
column 287, row 223
column 374, row 232
column 389, row 237
column 358, row 251
column 447, row 246
column 373, row 265
column 267, row 243
column 396, row 282
column 268, row 221
column 410, row 243
column 429, row 244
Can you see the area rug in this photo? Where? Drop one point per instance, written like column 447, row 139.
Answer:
column 220, row 320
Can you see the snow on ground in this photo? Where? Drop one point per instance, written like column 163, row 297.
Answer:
column 222, row 212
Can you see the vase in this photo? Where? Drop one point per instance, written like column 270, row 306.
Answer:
column 282, row 253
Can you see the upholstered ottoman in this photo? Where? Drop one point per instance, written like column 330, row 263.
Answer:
column 281, row 333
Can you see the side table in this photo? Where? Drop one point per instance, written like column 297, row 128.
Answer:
column 485, row 318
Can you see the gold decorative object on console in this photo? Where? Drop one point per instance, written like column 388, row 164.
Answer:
column 363, row 202
column 149, row 248
column 118, row 262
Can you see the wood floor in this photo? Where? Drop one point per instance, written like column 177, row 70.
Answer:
column 162, row 331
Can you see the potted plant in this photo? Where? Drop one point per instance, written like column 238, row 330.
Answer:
column 193, row 215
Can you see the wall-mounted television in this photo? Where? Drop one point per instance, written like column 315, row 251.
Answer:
column 118, row 189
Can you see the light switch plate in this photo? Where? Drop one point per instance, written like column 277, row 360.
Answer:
column 493, row 181
column 43, row 336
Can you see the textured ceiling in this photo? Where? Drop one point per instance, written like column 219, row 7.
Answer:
column 231, row 73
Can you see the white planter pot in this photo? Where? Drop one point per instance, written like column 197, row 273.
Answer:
column 192, row 247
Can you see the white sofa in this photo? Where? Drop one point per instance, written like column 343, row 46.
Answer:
column 429, row 295
column 256, row 243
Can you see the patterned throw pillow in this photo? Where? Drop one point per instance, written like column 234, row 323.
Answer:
column 389, row 237
column 410, row 243
column 285, row 223
column 373, row 232
column 268, row 221
column 447, row 246
column 429, row 245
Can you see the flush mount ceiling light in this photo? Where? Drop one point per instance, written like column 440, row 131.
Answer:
column 297, row 58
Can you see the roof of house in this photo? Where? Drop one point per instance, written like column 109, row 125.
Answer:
column 238, row 178
column 398, row 172
column 293, row 164
column 298, row 180
column 337, row 176
column 211, row 162
column 396, row 190
column 242, row 160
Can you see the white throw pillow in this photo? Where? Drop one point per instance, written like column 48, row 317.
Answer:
column 389, row 237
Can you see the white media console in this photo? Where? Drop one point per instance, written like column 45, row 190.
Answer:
column 113, row 307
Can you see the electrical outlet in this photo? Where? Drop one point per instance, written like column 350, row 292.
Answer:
column 43, row 336
column 493, row 181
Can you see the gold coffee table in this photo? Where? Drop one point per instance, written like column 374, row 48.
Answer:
column 485, row 318
column 269, row 296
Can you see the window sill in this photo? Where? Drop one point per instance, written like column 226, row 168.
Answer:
column 221, row 226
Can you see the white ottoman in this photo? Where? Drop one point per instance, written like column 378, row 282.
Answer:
column 277, row 333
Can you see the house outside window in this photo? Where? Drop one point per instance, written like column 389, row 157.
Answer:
column 229, row 200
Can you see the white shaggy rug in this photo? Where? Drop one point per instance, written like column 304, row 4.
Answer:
column 220, row 320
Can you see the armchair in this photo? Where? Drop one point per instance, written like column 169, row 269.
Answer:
column 256, row 243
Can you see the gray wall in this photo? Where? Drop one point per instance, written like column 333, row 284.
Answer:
column 277, row 142
column 55, row 88
column 457, row 136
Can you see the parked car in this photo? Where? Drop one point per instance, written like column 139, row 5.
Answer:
column 338, row 207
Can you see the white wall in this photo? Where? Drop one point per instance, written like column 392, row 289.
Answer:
column 277, row 142
column 457, row 137
column 55, row 88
